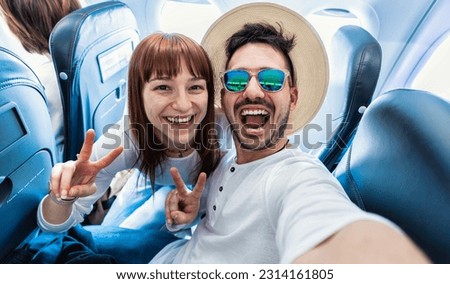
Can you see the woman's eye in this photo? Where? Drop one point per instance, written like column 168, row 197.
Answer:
column 198, row 88
column 161, row 88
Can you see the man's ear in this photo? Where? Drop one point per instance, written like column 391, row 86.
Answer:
column 294, row 97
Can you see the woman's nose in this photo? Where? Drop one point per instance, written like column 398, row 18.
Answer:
column 182, row 102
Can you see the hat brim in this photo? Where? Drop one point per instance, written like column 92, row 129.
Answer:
column 308, row 55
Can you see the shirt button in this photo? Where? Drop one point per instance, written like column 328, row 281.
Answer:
column 232, row 169
column 214, row 207
column 221, row 188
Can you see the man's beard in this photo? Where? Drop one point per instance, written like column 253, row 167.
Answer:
column 276, row 133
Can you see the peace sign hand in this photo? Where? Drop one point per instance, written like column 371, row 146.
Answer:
column 182, row 206
column 76, row 178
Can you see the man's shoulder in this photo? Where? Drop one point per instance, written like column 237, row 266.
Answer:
column 293, row 162
column 293, row 156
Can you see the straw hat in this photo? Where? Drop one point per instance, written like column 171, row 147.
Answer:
column 308, row 55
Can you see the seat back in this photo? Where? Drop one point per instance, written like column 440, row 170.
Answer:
column 91, row 50
column 26, row 149
column 398, row 166
column 356, row 52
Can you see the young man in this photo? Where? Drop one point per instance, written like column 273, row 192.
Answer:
column 266, row 203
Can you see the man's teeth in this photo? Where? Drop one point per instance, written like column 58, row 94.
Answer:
column 246, row 112
column 177, row 119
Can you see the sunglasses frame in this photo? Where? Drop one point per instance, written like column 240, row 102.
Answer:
column 254, row 74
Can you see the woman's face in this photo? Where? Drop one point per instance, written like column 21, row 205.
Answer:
column 176, row 106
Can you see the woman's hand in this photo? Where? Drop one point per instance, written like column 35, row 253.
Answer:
column 76, row 178
column 182, row 206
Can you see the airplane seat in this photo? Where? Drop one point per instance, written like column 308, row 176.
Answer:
column 355, row 62
column 398, row 166
column 26, row 150
column 91, row 49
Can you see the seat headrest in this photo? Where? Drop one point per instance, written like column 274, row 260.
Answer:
column 91, row 49
column 355, row 64
column 399, row 166
column 15, row 70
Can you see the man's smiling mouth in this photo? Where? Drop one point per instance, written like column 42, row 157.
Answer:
column 254, row 118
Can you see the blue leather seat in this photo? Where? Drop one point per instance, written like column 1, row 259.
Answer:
column 398, row 166
column 358, row 54
column 26, row 150
column 91, row 49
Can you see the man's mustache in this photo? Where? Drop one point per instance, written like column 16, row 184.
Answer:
column 257, row 101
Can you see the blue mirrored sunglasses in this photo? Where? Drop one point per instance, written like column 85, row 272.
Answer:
column 270, row 80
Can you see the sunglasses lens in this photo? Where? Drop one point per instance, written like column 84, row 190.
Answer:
column 236, row 80
column 271, row 80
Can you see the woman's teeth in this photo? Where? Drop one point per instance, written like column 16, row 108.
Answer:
column 177, row 119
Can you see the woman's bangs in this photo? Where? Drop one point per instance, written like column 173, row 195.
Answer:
column 166, row 64
column 163, row 56
column 197, row 63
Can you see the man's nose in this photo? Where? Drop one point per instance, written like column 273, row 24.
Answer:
column 253, row 89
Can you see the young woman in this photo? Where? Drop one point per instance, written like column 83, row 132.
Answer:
column 170, row 123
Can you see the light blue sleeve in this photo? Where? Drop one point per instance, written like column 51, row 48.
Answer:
column 117, row 135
